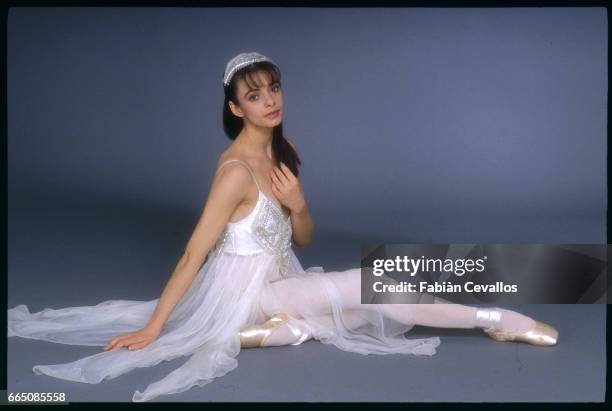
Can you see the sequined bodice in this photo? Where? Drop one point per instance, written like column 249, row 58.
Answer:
column 265, row 229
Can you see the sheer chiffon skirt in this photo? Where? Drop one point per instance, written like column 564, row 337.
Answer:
column 229, row 292
column 330, row 304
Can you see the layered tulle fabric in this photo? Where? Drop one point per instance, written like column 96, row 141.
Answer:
column 229, row 292
column 250, row 274
column 330, row 303
column 223, row 297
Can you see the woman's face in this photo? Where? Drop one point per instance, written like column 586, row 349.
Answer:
column 256, row 103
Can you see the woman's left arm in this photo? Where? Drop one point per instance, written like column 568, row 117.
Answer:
column 288, row 189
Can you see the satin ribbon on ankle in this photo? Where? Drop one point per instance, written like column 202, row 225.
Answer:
column 489, row 319
column 257, row 335
column 298, row 333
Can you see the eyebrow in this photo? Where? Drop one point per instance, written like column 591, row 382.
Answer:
column 257, row 88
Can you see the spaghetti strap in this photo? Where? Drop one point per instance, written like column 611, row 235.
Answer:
column 248, row 168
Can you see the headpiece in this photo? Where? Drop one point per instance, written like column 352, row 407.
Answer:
column 240, row 61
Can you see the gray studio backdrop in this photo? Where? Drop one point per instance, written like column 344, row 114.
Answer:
column 414, row 126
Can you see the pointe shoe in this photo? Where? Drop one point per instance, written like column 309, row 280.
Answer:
column 256, row 335
column 540, row 334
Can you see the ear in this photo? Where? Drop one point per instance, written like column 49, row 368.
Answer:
column 235, row 109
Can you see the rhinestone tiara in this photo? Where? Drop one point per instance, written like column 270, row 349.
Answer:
column 240, row 61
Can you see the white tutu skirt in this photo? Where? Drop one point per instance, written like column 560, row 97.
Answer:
column 229, row 292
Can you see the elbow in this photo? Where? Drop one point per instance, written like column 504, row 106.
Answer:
column 191, row 258
column 304, row 240
column 302, row 244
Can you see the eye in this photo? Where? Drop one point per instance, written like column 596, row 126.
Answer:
column 276, row 87
column 251, row 97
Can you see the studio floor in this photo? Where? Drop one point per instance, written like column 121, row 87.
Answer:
column 127, row 253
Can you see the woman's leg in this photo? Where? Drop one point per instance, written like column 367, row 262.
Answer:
column 311, row 295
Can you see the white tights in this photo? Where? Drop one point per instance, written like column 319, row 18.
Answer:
column 291, row 295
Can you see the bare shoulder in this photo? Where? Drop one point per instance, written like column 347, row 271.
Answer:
column 228, row 155
column 232, row 170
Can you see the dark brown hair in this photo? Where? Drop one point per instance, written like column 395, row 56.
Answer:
column 232, row 125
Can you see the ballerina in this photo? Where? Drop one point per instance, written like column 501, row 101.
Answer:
column 240, row 285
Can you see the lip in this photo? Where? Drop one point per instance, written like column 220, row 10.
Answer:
column 273, row 114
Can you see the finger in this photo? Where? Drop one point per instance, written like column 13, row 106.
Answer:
column 281, row 176
column 137, row 342
column 116, row 347
column 113, row 343
column 277, row 181
column 290, row 180
column 122, row 338
column 277, row 193
column 287, row 171
column 137, row 346
column 122, row 344
column 130, row 341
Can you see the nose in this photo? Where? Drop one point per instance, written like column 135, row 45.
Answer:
column 269, row 99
